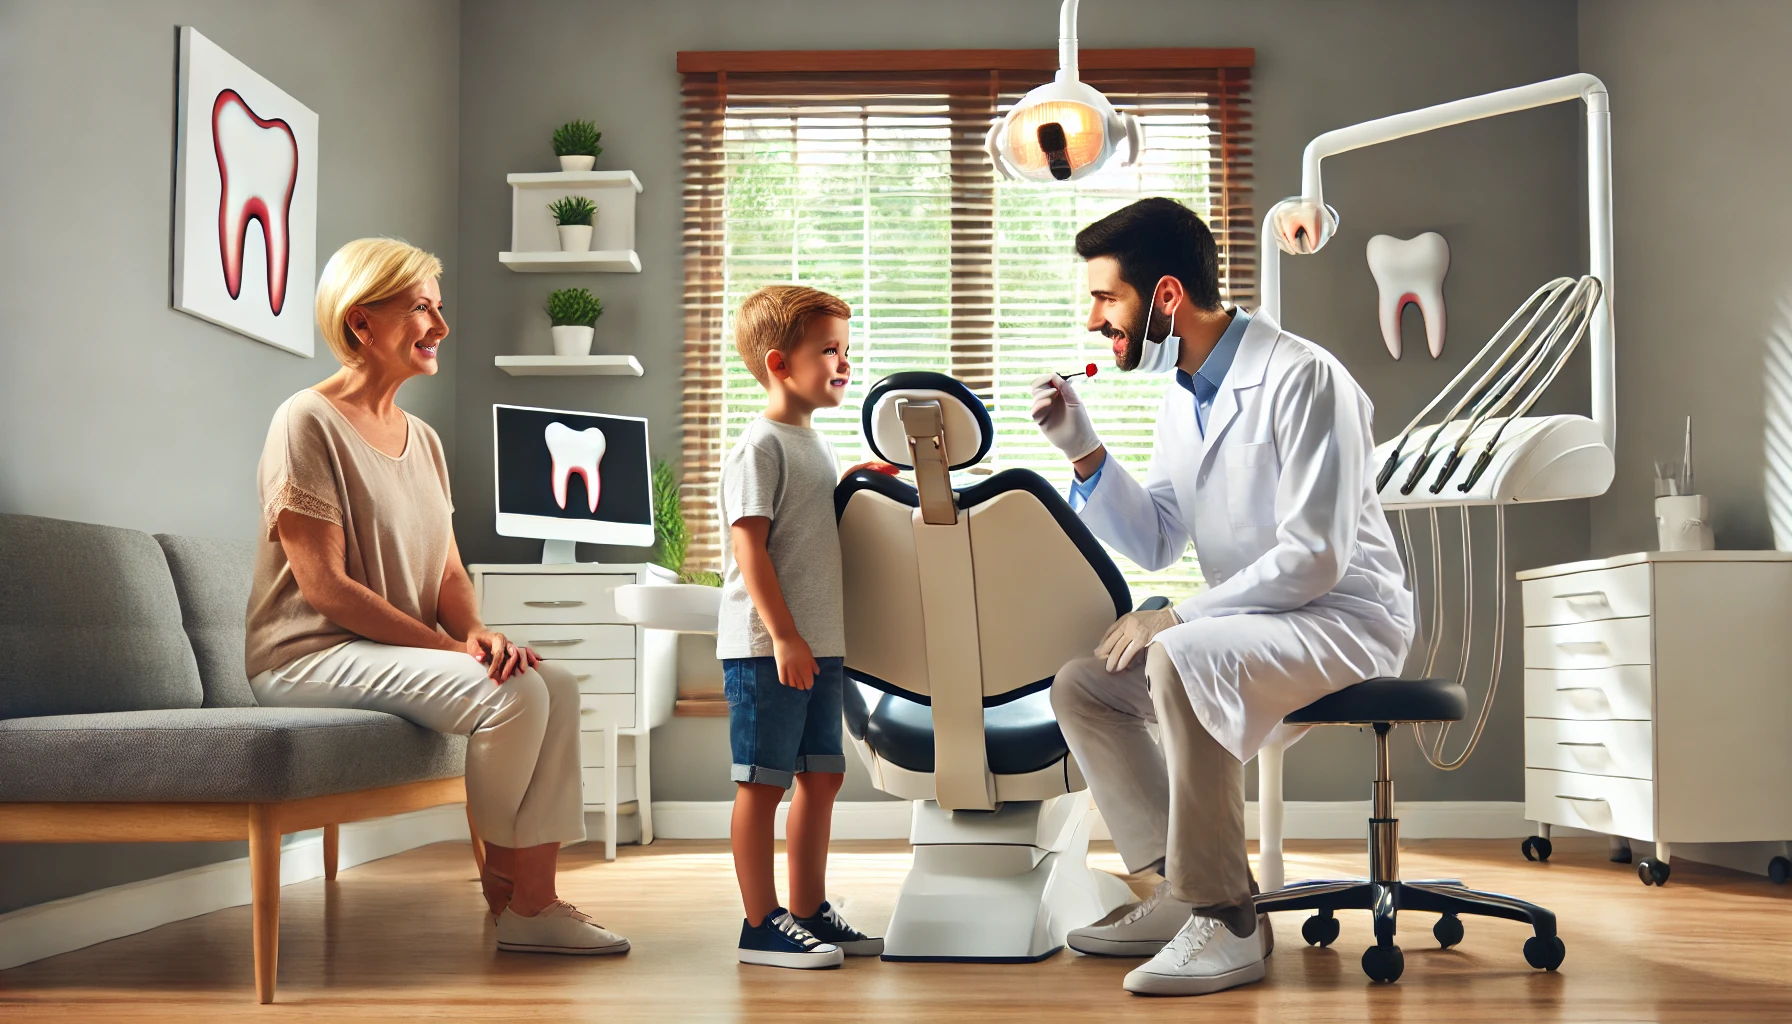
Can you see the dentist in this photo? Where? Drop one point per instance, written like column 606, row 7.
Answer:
column 1262, row 461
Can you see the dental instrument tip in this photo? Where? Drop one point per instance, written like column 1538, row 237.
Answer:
column 1088, row 370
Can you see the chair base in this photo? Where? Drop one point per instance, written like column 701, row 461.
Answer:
column 999, row 887
column 1446, row 897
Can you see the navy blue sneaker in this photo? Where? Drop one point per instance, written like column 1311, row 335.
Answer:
column 780, row 941
column 828, row 926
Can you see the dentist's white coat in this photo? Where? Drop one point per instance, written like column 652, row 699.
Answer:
column 1305, row 590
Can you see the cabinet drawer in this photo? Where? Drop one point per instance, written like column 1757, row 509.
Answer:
column 1590, row 694
column 1621, row 593
column 619, row 708
column 575, row 643
column 1599, row 644
column 593, row 779
column 591, row 750
column 558, row 597
column 1591, row 748
column 613, row 675
column 1602, row 803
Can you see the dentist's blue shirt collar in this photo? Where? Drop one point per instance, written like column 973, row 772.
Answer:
column 1204, row 383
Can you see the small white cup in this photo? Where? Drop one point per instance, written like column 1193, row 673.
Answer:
column 1683, row 523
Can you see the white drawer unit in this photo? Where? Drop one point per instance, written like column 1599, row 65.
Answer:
column 627, row 686
column 1657, row 693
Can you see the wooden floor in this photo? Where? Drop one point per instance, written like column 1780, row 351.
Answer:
column 404, row 938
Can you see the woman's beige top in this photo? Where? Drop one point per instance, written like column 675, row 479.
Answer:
column 396, row 516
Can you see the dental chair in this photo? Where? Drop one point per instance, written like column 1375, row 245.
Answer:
column 960, row 607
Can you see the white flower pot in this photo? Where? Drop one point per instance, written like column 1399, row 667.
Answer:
column 572, row 341
column 575, row 237
column 577, row 163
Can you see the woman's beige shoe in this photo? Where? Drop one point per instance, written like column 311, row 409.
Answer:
column 559, row 928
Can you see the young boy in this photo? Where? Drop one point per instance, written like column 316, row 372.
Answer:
column 782, row 636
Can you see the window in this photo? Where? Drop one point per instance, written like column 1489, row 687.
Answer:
column 875, row 185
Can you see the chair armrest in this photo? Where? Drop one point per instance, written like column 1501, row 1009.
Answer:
column 1154, row 603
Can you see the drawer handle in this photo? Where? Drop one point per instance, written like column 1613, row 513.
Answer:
column 1583, row 799
column 1580, row 689
column 1584, row 646
column 1584, row 595
column 556, row 643
column 553, row 604
column 1566, row 743
column 581, row 677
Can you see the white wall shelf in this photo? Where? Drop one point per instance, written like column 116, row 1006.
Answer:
column 569, row 366
column 601, row 261
column 535, row 245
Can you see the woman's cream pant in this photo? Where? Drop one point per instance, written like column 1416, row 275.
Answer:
column 522, row 735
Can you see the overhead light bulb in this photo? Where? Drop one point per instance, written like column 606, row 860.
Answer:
column 1064, row 129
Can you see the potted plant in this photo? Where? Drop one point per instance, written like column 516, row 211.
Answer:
column 575, row 143
column 573, row 313
column 573, row 216
column 671, row 538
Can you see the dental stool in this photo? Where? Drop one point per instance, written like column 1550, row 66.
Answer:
column 1383, row 704
column 960, row 608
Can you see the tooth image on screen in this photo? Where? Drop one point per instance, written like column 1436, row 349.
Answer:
column 575, row 451
column 1411, row 270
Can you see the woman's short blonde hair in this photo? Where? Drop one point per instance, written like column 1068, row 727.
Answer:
column 363, row 272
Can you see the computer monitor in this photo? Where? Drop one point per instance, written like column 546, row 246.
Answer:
column 566, row 476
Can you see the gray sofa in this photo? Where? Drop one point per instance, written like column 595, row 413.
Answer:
column 125, row 712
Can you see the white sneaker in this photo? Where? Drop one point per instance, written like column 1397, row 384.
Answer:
column 559, row 928
column 1204, row 957
column 1137, row 929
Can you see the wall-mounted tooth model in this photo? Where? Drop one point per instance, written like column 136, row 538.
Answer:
column 1411, row 270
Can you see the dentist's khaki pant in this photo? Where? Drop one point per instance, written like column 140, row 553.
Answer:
column 1178, row 809
column 522, row 735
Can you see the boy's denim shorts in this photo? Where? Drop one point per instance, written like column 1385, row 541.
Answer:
column 776, row 730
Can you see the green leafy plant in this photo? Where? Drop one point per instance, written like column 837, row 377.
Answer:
column 571, row 210
column 577, row 138
column 574, row 307
column 670, row 537
column 703, row 577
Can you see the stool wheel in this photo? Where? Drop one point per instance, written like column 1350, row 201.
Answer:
column 1652, row 871
column 1384, row 963
column 1320, row 930
column 1778, row 870
column 1544, row 954
column 1448, row 930
column 1536, row 848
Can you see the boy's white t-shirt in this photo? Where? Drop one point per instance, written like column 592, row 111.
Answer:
column 786, row 474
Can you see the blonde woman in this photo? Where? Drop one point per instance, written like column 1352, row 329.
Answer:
column 360, row 599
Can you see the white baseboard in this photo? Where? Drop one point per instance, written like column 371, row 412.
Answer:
column 1302, row 819
column 60, row 926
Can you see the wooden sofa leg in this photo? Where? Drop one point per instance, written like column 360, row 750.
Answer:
column 264, row 891
column 478, row 843
column 332, row 841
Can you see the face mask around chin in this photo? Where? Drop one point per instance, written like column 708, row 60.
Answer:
column 1158, row 356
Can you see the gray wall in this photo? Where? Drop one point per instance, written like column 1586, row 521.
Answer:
column 114, row 408
column 1703, row 259
column 1505, row 193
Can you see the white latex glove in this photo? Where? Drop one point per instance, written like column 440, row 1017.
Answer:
column 1062, row 417
column 1130, row 634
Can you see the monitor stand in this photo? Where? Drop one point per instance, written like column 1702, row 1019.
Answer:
column 559, row 552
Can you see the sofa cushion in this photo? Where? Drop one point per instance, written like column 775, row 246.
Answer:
column 89, row 622
column 213, row 578
column 217, row 754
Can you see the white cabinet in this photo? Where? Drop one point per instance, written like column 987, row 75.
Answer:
column 626, row 674
column 1658, row 693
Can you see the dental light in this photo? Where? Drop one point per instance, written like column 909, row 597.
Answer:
column 1064, row 129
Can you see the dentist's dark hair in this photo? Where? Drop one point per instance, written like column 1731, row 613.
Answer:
column 1153, row 239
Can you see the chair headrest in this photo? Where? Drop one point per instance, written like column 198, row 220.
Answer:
column 968, row 428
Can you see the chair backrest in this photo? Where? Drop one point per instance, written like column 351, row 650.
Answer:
column 213, row 578
column 974, row 608
column 89, row 622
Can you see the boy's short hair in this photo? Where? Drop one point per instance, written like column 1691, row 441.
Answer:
column 775, row 318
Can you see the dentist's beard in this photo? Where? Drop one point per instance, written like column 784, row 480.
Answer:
column 1159, row 327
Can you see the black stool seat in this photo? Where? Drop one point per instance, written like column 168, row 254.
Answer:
column 1387, row 700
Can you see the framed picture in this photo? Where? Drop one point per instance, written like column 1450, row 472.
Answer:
column 245, row 200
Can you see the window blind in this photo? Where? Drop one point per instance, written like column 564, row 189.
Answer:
column 875, row 185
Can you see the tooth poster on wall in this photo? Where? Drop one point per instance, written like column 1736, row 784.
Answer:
column 245, row 199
